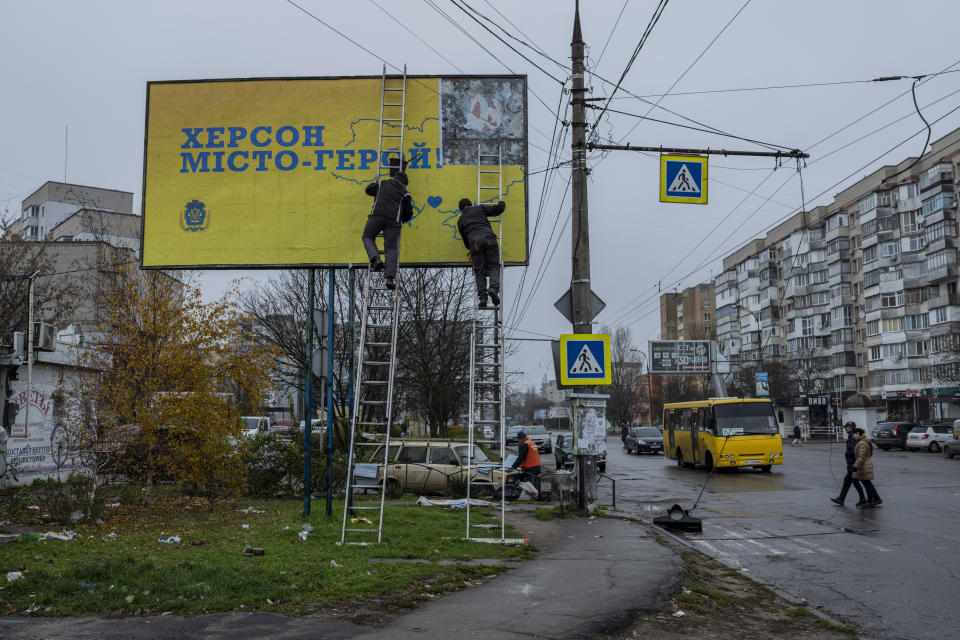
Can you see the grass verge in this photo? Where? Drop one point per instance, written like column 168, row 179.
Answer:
column 120, row 568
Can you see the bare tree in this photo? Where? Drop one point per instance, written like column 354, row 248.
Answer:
column 625, row 388
column 55, row 298
column 434, row 343
column 808, row 367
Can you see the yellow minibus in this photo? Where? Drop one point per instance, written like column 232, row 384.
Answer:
column 724, row 433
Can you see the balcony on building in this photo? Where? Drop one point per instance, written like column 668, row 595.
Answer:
column 937, row 175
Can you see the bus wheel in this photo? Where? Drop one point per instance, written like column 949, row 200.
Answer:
column 766, row 468
column 708, row 461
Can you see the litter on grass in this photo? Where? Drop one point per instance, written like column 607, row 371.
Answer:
column 250, row 509
column 14, row 575
column 305, row 531
column 59, row 535
column 244, row 526
column 454, row 504
column 170, row 540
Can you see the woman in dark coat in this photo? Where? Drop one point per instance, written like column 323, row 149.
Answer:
column 864, row 467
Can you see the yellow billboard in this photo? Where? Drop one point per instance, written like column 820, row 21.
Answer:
column 271, row 172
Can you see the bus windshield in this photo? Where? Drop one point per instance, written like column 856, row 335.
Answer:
column 745, row 418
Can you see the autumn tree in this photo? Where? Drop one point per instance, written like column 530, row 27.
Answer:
column 170, row 369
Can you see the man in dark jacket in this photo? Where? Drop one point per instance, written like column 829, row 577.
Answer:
column 848, row 479
column 392, row 206
column 478, row 237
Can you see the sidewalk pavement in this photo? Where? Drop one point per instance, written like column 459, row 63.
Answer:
column 592, row 575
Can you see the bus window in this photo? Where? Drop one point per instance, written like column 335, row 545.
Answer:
column 745, row 418
column 685, row 419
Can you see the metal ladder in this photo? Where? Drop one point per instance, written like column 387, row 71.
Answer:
column 376, row 352
column 487, row 362
column 393, row 99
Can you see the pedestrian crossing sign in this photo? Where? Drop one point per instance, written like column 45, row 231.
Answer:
column 683, row 179
column 585, row 359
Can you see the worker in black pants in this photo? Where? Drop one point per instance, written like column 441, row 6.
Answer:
column 392, row 206
column 479, row 238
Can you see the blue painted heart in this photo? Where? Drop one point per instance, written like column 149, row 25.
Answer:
column 434, row 201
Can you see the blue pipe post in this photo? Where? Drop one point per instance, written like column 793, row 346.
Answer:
column 308, row 393
column 331, row 327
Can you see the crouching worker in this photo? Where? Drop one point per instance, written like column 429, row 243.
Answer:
column 528, row 460
column 478, row 237
column 392, row 206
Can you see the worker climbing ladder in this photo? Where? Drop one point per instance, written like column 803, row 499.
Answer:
column 487, row 365
column 376, row 355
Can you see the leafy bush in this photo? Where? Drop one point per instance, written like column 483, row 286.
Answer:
column 276, row 468
column 73, row 500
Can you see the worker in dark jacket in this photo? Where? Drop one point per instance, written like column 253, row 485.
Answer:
column 528, row 459
column 392, row 206
column 478, row 237
column 848, row 479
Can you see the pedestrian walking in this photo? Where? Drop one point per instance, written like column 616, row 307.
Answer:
column 479, row 239
column 848, row 479
column 864, row 468
column 797, row 442
column 392, row 206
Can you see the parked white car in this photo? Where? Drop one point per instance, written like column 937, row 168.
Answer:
column 931, row 438
column 253, row 425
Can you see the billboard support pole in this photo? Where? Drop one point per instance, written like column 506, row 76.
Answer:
column 308, row 393
column 331, row 327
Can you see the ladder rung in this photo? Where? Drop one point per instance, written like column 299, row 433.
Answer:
column 487, row 384
column 363, row 530
column 486, row 422
column 487, row 346
column 391, row 135
column 488, row 402
column 379, row 326
column 371, row 424
column 376, row 363
column 488, row 364
column 379, row 307
column 485, row 170
column 377, row 382
column 378, row 344
column 393, row 88
column 364, row 508
column 373, row 402
column 391, row 119
column 368, row 444
column 489, row 187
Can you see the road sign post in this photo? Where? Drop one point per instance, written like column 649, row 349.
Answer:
column 683, row 179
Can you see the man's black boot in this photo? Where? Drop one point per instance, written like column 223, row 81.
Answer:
column 494, row 297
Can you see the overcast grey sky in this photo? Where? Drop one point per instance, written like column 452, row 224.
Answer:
column 84, row 65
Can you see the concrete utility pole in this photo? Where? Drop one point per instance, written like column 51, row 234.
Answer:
column 580, row 293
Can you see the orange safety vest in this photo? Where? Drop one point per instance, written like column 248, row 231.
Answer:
column 532, row 459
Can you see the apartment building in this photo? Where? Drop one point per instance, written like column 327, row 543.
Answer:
column 688, row 315
column 856, row 298
column 54, row 202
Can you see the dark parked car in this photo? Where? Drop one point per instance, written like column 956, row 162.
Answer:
column 643, row 440
column 563, row 452
column 892, row 434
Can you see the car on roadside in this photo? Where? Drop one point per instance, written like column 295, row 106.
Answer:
column 932, row 438
column 951, row 448
column 563, row 452
column 643, row 440
column 511, row 435
column 539, row 435
column 428, row 466
column 255, row 425
column 887, row 435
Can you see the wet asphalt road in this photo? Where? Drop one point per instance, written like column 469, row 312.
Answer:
column 894, row 571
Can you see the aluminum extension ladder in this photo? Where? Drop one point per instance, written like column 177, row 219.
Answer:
column 487, row 361
column 376, row 353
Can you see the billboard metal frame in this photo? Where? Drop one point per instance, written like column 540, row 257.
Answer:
column 702, row 368
column 334, row 265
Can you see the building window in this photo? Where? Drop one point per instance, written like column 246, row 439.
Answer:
column 892, row 324
column 916, row 321
column 706, row 317
column 908, row 222
column 938, row 315
column 890, row 249
column 870, row 254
